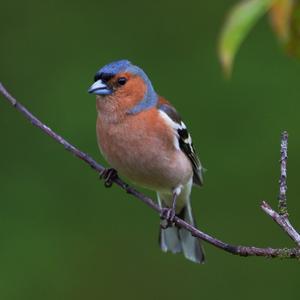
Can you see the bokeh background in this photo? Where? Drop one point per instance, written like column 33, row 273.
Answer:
column 62, row 234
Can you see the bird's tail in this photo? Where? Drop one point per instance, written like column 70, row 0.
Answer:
column 178, row 240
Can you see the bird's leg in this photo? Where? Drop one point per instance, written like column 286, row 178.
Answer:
column 168, row 214
column 108, row 175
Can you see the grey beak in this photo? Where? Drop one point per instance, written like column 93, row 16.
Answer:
column 100, row 88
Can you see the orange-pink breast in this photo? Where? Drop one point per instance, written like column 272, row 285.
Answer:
column 141, row 147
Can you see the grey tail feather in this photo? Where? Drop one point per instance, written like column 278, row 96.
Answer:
column 177, row 240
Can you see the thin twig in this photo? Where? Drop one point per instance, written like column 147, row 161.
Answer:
column 282, row 217
column 233, row 249
column 282, row 221
column 282, row 206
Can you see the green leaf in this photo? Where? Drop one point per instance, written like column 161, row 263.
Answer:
column 242, row 17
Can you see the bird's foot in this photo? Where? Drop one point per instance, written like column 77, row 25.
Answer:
column 167, row 217
column 108, row 175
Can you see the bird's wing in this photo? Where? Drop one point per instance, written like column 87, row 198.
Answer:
column 184, row 139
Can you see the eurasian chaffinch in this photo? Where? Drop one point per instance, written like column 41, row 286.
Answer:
column 143, row 137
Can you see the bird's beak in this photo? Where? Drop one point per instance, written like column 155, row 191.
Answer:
column 100, row 88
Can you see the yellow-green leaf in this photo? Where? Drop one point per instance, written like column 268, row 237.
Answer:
column 242, row 17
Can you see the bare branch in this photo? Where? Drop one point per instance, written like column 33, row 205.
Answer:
column 282, row 221
column 281, row 218
column 282, row 206
column 236, row 250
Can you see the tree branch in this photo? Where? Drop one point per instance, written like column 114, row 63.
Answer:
column 282, row 206
column 280, row 218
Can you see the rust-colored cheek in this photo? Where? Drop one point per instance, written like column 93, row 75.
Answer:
column 131, row 94
column 123, row 99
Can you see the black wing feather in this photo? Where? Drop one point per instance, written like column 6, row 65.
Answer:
column 185, row 143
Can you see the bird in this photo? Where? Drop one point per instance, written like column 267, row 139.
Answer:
column 142, row 136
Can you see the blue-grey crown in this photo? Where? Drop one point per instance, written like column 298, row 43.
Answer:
column 116, row 67
column 123, row 65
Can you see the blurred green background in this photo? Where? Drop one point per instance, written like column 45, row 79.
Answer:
column 62, row 234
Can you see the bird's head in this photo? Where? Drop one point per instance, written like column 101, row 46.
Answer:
column 121, row 81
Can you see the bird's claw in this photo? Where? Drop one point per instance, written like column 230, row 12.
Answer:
column 108, row 175
column 167, row 217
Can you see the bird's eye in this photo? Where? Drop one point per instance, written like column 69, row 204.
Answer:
column 122, row 80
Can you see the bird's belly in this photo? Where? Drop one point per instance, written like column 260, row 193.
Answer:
column 145, row 160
